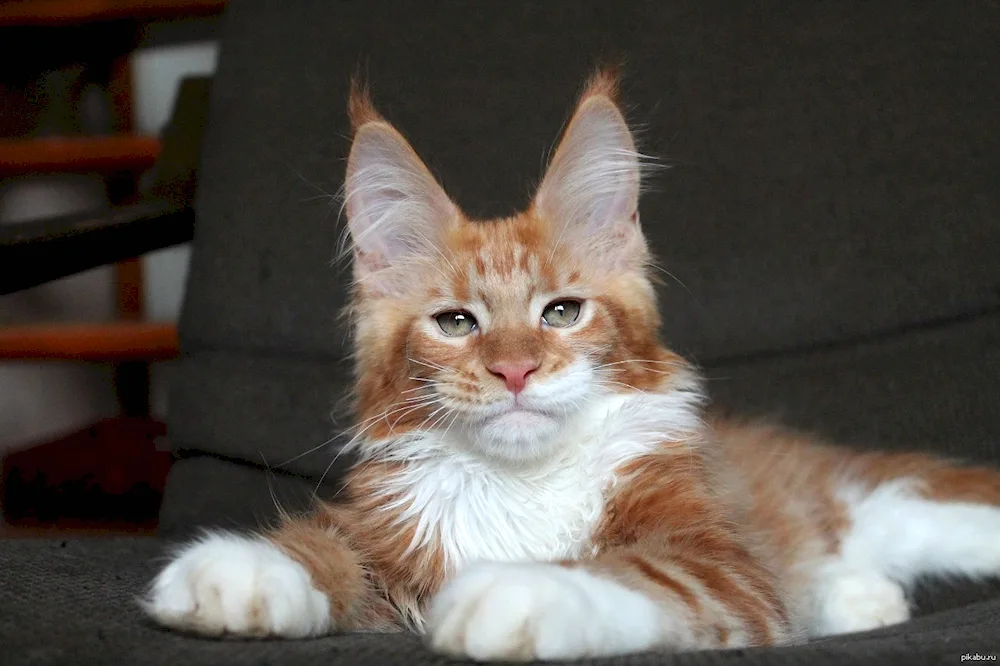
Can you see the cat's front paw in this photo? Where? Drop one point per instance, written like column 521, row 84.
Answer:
column 860, row 601
column 509, row 612
column 239, row 586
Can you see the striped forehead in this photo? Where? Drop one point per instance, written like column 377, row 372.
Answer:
column 513, row 271
column 503, row 261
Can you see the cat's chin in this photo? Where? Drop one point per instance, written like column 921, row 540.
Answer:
column 518, row 435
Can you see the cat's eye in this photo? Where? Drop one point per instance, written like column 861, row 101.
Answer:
column 456, row 323
column 561, row 314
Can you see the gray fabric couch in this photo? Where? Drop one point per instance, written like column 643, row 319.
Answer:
column 830, row 217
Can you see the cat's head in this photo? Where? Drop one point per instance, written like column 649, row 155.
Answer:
column 505, row 330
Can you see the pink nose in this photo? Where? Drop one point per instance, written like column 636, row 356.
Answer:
column 515, row 374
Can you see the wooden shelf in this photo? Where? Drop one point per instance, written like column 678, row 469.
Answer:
column 75, row 12
column 78, row 155
column 115, row 341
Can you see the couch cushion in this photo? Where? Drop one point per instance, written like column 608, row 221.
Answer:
column 934, row 389
column 834, row 167
column 276, row 411
column 208, row 492
column 73, row 602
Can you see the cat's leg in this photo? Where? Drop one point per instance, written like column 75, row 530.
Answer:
column 932, row 520
column 302, row 579
column 673, row 574
column 849, row 597
column 624, row 601
column 528, row 611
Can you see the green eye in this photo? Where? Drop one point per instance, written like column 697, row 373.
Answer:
column 456, row 323
column 561, row 314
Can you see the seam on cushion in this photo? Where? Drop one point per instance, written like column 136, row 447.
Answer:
column 187, row 453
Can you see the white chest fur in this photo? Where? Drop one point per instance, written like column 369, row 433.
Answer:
column 480, row 510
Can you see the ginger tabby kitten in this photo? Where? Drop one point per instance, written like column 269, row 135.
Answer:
column 536, row 478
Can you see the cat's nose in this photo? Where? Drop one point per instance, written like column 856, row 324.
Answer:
column 515, row 374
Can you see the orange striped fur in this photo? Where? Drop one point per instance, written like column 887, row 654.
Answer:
column 698, row 533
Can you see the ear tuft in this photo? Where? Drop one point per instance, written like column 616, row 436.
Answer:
column 603, row 82
column 360, row 108
column 591, row 187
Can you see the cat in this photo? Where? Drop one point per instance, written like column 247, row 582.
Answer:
column 537, row 476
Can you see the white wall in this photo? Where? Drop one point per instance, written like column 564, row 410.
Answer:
column 40, row 401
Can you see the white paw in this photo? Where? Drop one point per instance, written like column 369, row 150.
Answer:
column 228, row 584
column 859, row 602
column 494, row 611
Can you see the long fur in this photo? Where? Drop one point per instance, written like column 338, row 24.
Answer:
column 598, row 510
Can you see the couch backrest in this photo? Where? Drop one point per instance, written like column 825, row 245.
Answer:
column 834, row 175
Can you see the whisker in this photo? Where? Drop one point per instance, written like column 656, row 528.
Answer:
column 675, row 279
column 641, row 360
column 371, row 421
column 606, row 382
column 389, row 410
column 423, row 423
column 343, row 449
column 365, row 425
column 453, row 420
column 433, row 366
column 305, row 453
column 409, row 411
column 438, row 421
column 420, row 398
column 427, row 380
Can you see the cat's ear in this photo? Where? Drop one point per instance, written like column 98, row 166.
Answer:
column 590, row 191
column 396, row 210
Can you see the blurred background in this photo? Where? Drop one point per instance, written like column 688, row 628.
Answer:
column 87, row 89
